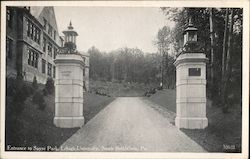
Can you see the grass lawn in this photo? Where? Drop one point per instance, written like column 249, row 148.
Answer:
column 224, row 129
column 35, row 127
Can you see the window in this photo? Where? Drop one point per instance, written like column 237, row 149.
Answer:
column 28, row 28
column 44, row 44
column 33, row 31
column 54, row 71
column 83, row 72
column 55, row 50
column 29, row 57
column 54, row 35
column 44, row 23
column 50, row 30
column 9, row 44
column 50, row 49
column 84, row 86
column 49, row 69
column 9, row 17
column 39, row 36
column 43, row 65
column 33, row 58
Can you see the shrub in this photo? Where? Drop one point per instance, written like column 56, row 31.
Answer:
column 45, row 92
column 34, row 83
column 152, row 91
column 49, row 86
column 18, row 90
column 38, row 99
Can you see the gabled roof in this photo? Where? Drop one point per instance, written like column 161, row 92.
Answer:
column 36, row 11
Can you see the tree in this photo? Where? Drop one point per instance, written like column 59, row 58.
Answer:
column 163, row 44
column 212, row 43
column 227, row 67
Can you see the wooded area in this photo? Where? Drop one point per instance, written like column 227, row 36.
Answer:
column 219, row 34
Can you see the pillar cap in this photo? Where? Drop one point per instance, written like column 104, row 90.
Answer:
column 191, row 57
column 69, row 58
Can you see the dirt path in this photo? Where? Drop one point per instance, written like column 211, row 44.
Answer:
column 130, row 124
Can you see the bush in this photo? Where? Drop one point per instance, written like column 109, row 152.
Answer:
column 45, row 92
column 49, row 86
column 38, row 99
column 34, row 83
column 152, row 91
column 18, row 90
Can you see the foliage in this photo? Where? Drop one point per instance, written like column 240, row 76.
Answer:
column 49, row 86
column 38, row 99
column 19, row 91
column 34, row 83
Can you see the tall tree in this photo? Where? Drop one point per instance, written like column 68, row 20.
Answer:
column 225, row 44
column 212, row 42
column 227, row 71
column 163, row 43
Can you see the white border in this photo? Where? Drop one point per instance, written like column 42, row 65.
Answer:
column 214, row 3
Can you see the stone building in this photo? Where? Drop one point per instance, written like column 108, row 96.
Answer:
column 85, row 57
column 32, row 41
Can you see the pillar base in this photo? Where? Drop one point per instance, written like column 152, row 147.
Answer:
column 191, row 123
column 69, row 122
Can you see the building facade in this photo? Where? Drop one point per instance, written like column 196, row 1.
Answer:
column 85, row 57
column 32, row 42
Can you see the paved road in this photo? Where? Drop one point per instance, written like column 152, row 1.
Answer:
column 130, row 124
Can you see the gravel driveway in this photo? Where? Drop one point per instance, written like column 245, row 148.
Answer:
column 130, row 124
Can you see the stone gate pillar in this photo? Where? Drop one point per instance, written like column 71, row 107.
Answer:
column 191, row 91
column 191, row 83
column 69, row 91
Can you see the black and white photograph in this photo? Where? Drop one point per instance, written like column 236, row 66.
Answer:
column 114, row 79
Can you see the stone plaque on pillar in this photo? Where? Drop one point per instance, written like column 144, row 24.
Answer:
column 69, row 91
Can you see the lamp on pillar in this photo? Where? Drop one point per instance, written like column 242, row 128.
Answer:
column 190, row 43
column 190, row 33
column 70, row 38
column 191, row 82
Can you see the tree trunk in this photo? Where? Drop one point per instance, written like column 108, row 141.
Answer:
column 229, row 42
column 212, row 43
column 227, row 63
column 224, row 45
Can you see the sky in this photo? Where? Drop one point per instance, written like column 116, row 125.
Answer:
column 110, row 28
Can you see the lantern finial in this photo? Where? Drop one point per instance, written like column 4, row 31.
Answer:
column 70, row 25
column 190, row 22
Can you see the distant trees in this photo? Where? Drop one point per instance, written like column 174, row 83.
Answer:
column 124, row 65
column 220, row 34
